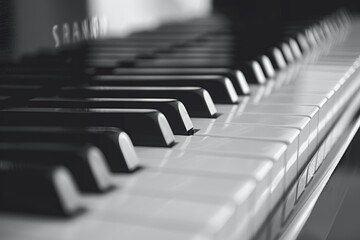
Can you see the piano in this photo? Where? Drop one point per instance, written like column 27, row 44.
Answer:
column 169, row 119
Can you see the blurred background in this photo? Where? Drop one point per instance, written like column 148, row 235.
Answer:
column 26, row 26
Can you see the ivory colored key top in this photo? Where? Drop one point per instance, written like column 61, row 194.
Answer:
column 288, row 136
column 198, row 188
column 217, row 165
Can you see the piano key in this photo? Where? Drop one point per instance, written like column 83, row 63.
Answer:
column 145, row 127
column 174, row 111
column 305, row 100
column 286, row 50
column 297, row 122
column 86, row 162
column 332, row 94
column 197, row 101
column 213, row 220
column 115, row 144
column 267, row 66
column 218, row 166
column 295, row 48
column 283, row 110
column 252, row 70
column 236, row 77
column 240, row 192
column 288, row 136
column 24, row 92
column 274, row 151
column 220, row 88
column 37, row 189
column 277, row 59
column 87, row 229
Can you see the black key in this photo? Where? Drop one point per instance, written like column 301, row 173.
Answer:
column 85, row 162
column 251, row 69
column 4, row 101
column 266, row 66
column 33, row 78
column 277, row 59
column 220, row 88
column 115, row 144
column 36, row 189
column 24, row 91
column 295, row 48
column 197, row 101
column 174, row 111
column 236, row 77
column 287, row 53
column 145, row 127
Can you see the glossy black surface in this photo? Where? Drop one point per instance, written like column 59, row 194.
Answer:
column 29, row 188
column 336, row 214
column 105, row 138
column 142, row 126
column 169, row 107
column 74, row 157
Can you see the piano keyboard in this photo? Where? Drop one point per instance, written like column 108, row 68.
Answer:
column 174, row 133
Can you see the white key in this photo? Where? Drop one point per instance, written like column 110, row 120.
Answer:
column 304, row 100
column 239, row 148
column 219, row 166
column 21, row 227
column 288, row 110
column 329, row 111
column 240, row 192
column 331, row 95
column 298, row 122
column 216, row 220
column 290, row 137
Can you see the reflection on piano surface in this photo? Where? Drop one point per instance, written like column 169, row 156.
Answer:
column 172, row 123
